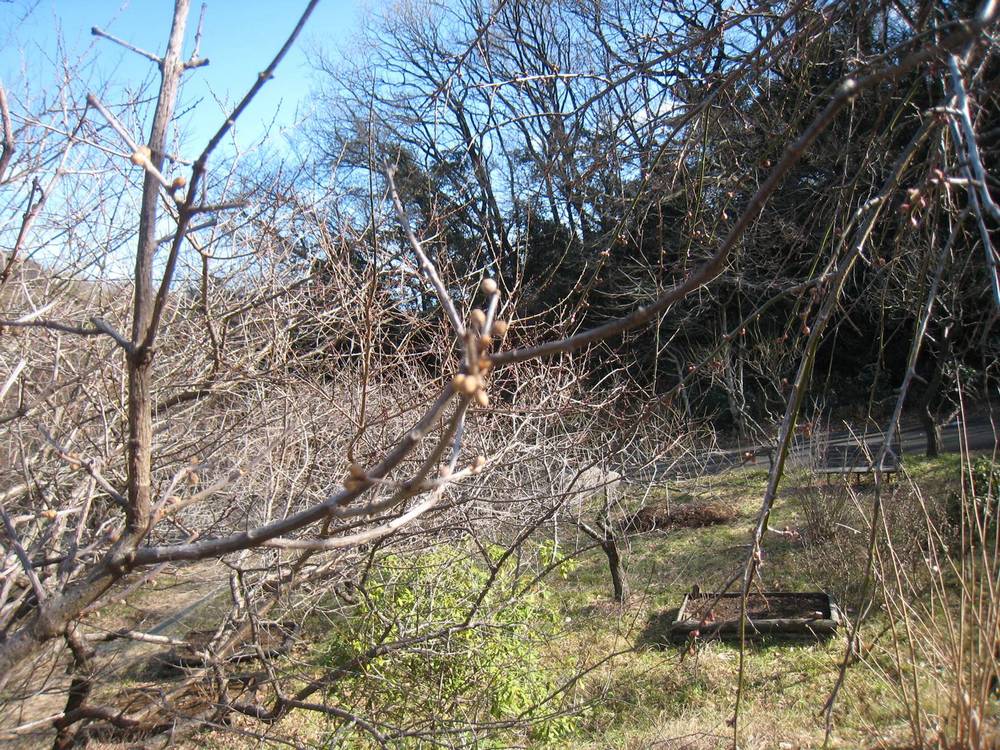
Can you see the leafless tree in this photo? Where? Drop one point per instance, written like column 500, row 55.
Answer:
column 298, row 383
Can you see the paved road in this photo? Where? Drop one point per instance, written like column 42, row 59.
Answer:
column 976, row 434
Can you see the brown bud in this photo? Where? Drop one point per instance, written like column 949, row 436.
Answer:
column 488, row 286
column 353, row 485
column 485, row 341
column 484, row 365
column 478, row 463
column 482, row 398
column 193, row 478
column 178, row 183
column 466, row 384
column 500, row 328
column 477, row 318
column 49, row 514
column 806, row 330
column 356, row 471
column 141, row 156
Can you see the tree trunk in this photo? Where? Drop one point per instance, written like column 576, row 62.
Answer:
column 618, row 580
column 79, row 691
column 733, row 375
column 932, row 432
column 606, row 538
column 931, row 398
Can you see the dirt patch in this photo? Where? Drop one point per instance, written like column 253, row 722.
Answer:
column 687, row 516
column 759, row 607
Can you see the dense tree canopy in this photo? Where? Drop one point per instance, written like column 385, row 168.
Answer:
column 592, row 153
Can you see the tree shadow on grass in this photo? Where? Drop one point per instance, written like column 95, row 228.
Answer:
column 656, row 632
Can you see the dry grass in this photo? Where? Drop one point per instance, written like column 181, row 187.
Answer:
column 653, row 696
column 671, row 699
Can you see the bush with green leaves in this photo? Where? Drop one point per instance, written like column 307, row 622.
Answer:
column 985, row 478
column 471, row 667
column 974, row 506
column 548, row 555
column 983, row 483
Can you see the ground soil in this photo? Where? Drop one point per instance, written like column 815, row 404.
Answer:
column 163, row 608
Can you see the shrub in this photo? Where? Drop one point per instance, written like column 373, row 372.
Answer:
column 983, row 483
column 835, row 524
column 548, row 554
column 449, row 677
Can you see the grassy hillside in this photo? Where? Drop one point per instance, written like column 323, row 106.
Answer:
column 651, row 694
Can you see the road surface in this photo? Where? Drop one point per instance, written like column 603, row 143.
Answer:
column 976, row 434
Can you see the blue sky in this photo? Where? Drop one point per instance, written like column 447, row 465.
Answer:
column 240, row 38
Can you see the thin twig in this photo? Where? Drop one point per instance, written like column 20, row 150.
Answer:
column 425, row 263
column 188, row 208
column 145, row 163
column 8, row 133
column 975, row 173
column 22, row 556
column 891, row 426
column 127, row 45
